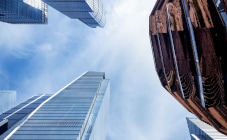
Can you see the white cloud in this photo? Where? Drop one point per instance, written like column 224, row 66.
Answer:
column 46, row 48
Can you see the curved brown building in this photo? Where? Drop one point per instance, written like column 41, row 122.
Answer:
column 189, row 45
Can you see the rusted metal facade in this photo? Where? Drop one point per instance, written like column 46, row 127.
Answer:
column 189, row 46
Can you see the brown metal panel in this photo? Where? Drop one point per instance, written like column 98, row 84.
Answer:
column 211, row 45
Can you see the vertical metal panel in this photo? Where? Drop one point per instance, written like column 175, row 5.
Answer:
column 195, row 54
column 174, row 52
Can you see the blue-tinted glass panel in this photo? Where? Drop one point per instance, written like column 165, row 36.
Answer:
column 70, row 113
column 33, row 105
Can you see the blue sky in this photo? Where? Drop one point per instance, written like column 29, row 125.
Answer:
column 43, row 58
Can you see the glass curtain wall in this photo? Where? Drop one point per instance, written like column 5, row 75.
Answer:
column 23, row 11
column 75, row 112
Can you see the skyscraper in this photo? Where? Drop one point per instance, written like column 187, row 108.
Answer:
column 90, row 12
column 7, row 100
column 78, row 111
column 10, row 119
column 189, row 47
column 201, row 131
column 23, row 11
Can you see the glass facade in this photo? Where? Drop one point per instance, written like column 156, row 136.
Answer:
column 7, row 100
column 201, row 131
column 78, row 111
column 23, row 11
column 90, row 12
column 10, row 118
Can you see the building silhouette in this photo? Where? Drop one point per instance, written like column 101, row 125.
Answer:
column 23, row 11
column 90, row 12
column 78, row 111
column 189, row 47
column 199, row 130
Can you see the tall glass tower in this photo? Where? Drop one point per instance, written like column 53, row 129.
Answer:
column 10, row 119
column 78, row 111
column 23, row 11
column 90, row 12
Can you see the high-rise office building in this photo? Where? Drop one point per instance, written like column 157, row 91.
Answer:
column 90, row 12
column 23, row 11
column 189, row 46
column 10, row 119
column 78, row 111
column 7, row 100
column 199, row 130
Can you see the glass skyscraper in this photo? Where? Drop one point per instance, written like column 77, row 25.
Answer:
column 23, row 11
column 7, row 100
column 90, row 12
column 78, row 111
column 201, row 131
column 10, row 119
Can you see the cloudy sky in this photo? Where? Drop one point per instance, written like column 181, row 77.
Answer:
column 43, row 58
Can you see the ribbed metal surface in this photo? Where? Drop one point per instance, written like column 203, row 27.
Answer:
column 188, row 40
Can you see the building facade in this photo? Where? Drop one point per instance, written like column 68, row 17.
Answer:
column 23, row 11
column 7, row 100
column 90, row 12
column 10, row 119
column 189, row 46
column 199, row 130
column 78, row 111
